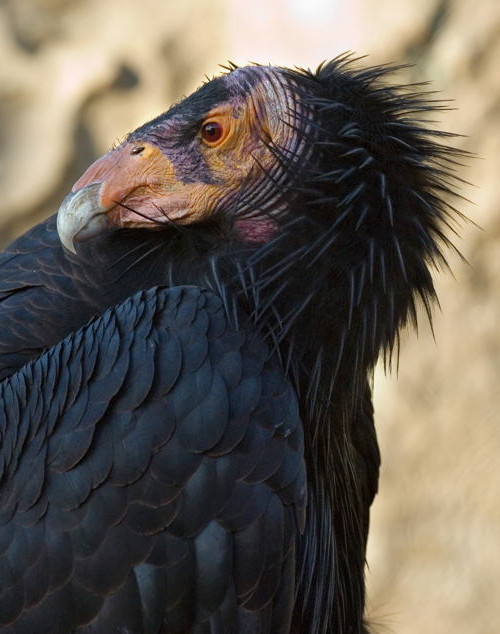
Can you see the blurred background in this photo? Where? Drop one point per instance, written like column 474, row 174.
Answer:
column 77, row 75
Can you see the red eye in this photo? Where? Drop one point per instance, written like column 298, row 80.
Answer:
column 212, row 132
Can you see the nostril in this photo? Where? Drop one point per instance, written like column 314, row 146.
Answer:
column 137, row 150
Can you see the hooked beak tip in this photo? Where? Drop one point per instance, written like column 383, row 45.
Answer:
column 81, row 217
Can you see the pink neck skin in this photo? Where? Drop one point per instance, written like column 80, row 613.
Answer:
column 256, row 230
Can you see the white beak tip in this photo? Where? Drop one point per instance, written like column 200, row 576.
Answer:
column 80, row 217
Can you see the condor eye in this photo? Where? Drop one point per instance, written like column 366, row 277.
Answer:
column 212, row 132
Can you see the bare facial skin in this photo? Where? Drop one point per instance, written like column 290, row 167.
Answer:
column 183, row 169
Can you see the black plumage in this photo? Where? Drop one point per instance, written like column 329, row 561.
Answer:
column 187, row 438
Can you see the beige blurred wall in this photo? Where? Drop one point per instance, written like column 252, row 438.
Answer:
column 75, row 76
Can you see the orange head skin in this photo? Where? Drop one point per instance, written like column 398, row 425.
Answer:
column 212, row 153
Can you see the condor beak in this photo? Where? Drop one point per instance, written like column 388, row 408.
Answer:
column 133, row 185
column 81, row 217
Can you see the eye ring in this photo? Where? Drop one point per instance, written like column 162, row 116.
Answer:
column 212, row 133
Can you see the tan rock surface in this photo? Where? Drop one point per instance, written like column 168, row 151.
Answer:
column 77, row 75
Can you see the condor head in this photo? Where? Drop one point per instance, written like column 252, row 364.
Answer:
column 228, row 151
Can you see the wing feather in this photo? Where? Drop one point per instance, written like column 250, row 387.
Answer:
column 152, row 476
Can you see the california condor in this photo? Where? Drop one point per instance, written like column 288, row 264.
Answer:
column 186, row 353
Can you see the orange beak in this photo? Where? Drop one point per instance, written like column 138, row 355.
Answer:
column 133, row 185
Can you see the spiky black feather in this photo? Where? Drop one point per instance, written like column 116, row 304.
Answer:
column 365, row 223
